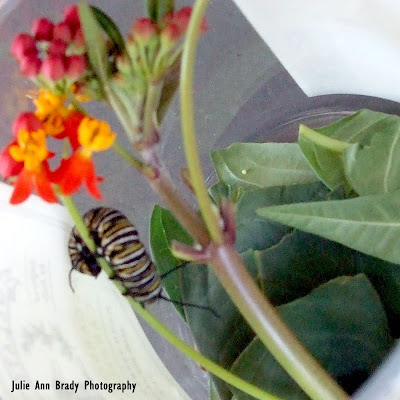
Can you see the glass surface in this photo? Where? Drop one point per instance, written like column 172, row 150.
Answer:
column 242, row 93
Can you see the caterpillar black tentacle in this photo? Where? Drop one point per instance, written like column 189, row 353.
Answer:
column 117, row 241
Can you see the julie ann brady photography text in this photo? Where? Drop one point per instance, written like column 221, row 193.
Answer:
column 72, row 386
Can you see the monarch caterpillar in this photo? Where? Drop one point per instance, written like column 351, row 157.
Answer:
column 117, row 241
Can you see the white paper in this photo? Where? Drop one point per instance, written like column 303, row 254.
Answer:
column 333, row 46
column 48, row 333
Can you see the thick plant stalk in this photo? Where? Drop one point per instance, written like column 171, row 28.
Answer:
column 158, row 326
column 162, row 184
column 227, row 264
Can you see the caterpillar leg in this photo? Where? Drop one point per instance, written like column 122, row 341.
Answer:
column 184, row 304
column 173, row 270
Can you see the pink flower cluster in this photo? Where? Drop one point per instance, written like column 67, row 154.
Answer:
column 55, row 51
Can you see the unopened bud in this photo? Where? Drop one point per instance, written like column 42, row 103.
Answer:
column 30, row 65
column 22, row 45
column 63, row 32
column 57, row 46
column 71, row 17
column 170, row 35
column 181, row 19
column 144, row 30
column 53, row 67
column 42, row 29
column 79, row 39
column 76, row 66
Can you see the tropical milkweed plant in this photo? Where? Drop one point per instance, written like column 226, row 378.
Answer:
column 295, row 248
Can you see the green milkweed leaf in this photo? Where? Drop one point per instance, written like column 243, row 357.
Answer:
column 110, row 28
column 383, row 153
column 370, row 224
column 344, row 326
column 254, row 231
column 157, row 9
column 163, row 229
column 328, row 162
column 95, row 41
column 257, row 165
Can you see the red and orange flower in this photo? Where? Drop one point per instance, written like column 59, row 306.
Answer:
column 30, row 149
column 93, row 136
column 25, row 160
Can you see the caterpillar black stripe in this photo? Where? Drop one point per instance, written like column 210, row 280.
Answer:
column 117, row 241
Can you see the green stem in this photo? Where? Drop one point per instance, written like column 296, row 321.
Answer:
column 158, row 326
column 188, row 125
column 72, row 99
column 150, row 134
column 164, row 186
column 322, row 140
column 206, row 363
column 127, row 156
column 122, row 113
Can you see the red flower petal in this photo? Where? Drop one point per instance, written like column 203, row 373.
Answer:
column 23, row 187
column 75, row 171
column 70, row 174
column 8, row 166
column 71, row 125
column 43, row 185
column 91, row 182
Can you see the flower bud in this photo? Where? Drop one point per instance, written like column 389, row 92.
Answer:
column 30, row 65
column 22, row 45
column 42, row 29
column 63, row 32
column 144, row 30
column 26, row 121
column 71, row 17
column 181, row 19
column 57, row 47
column 76, row 66
column 53, row 67
column 79, row 39
column 170, row 35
